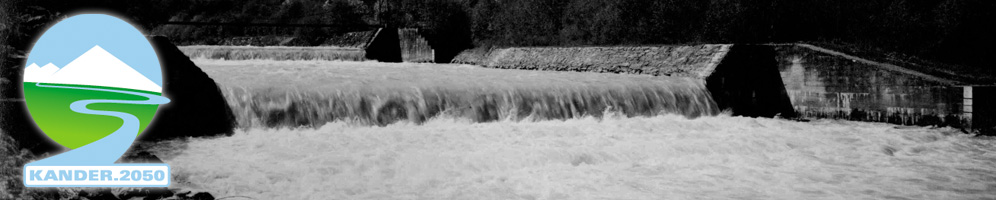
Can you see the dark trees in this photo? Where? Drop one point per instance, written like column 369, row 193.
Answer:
column 956, row 31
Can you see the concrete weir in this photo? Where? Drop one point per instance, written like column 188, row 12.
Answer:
column 794, row 80
column 741, row 78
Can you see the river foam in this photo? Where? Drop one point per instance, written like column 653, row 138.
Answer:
column 663, row 157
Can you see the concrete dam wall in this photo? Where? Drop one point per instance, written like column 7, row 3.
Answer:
column 794, row 80
column 739, row 77
column 685, row 61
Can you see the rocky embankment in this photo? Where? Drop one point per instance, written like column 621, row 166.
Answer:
column 687, row 61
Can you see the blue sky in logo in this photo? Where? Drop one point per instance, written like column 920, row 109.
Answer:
column 73, row 36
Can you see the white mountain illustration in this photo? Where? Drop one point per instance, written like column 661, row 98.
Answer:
column 37, row 74
column 95, row 67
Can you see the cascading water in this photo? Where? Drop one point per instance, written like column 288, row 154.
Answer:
column 280, row 109
column 381, row 95
column 595, row 152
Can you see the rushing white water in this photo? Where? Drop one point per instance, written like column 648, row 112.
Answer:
column 265, row 93
column 663, row 157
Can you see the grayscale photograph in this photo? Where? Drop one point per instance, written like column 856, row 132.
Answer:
column 497, row 99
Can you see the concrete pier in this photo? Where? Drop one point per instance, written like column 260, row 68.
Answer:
column 979, row 108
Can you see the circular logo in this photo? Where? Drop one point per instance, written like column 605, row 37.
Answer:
column 93, row 83
column 89, row 76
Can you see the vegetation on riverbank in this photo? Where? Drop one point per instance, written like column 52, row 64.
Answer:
column 951, row 31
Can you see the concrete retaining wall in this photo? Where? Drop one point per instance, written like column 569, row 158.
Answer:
column 824, row 85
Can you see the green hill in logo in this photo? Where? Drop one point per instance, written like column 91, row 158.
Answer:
column 50, row 110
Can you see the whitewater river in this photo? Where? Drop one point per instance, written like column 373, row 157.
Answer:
column 663, row 157
column 554, row 152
